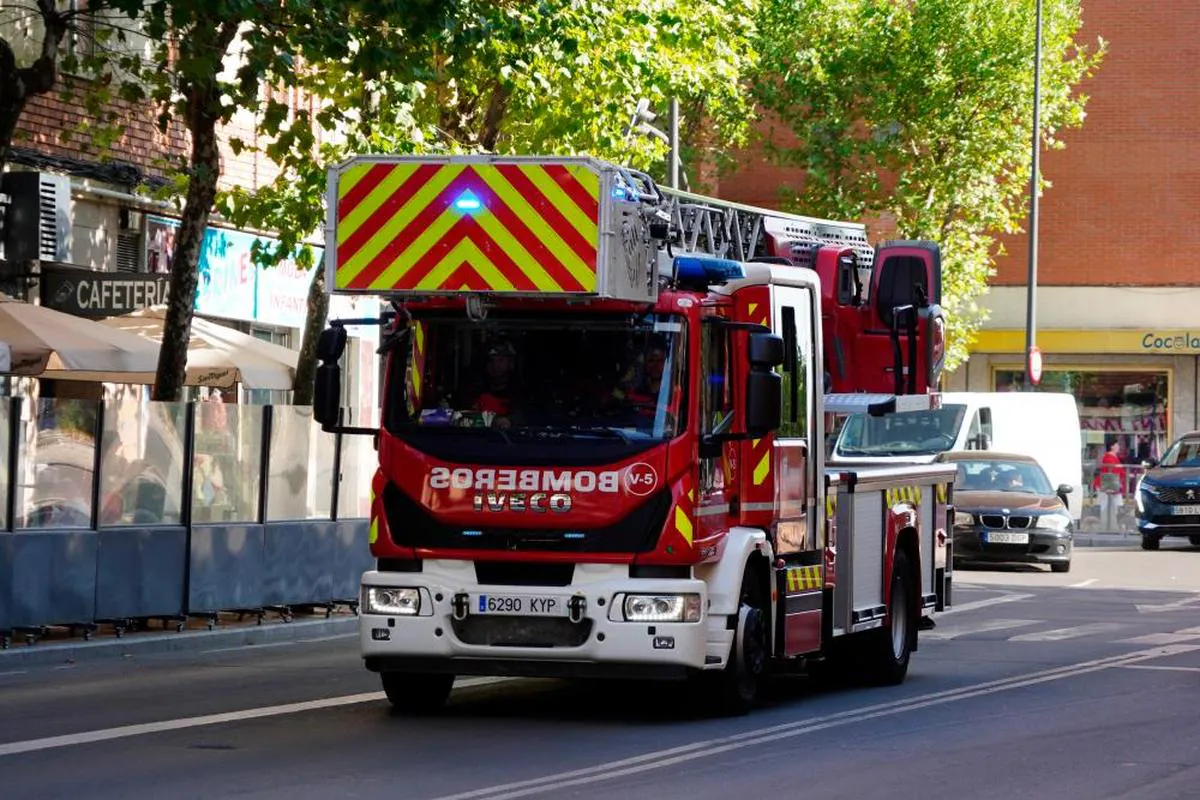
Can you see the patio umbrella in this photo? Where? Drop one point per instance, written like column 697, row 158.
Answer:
column 217, row 355
column 35, row 340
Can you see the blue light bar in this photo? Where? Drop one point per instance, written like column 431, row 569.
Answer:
column 707, row 271
column 468, row 202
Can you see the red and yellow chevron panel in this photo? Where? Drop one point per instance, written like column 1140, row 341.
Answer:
column 449, row 226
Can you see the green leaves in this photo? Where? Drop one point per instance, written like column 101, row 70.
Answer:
column 921, row 112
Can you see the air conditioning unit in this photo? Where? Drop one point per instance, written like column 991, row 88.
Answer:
column 37, row 221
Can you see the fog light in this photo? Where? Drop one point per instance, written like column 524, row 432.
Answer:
column 404, row 602
column 662, row 608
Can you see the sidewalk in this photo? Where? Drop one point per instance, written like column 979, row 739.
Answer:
column 59, row 646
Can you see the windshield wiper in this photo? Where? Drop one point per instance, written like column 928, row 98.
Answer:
column 572, row 430
column 459, row 429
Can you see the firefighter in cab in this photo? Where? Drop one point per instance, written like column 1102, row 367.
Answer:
column 498, row 395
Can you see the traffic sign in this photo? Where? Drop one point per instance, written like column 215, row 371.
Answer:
column 1035, row 365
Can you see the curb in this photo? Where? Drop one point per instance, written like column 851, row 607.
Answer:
column 1107, row 540
column 185, row 642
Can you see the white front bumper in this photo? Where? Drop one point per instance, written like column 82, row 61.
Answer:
column 433, row 637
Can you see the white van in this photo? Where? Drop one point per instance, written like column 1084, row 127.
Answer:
column 1043, row 425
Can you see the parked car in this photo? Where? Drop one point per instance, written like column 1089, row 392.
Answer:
column 1007, row 512
column 1168, row 495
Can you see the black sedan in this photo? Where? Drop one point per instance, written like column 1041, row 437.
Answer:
column 1168, row 496
column 1007, row 512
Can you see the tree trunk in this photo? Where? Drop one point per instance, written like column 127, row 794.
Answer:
column 18, row 84
column 203, row 110
column 314, row 323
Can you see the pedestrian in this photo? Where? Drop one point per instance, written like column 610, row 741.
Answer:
column 1110, row 487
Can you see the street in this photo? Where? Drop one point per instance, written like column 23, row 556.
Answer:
column 1082, row 685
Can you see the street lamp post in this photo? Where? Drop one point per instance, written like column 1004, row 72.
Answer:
column 1032, row 371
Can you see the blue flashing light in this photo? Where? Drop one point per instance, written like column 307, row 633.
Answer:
column 472, row 533
column 468, row 202
column 619, row 193
column 574, row 535
column 707, row 271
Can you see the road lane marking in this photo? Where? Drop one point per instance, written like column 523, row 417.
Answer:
column 982, row 626
column 1162, row 668
column 1177, row 605
column 977, row 604
column 126, row 731
column 1185, row 635
column 1060, row 634
column 713, row 747
column 242, row 647
column 1083, row 584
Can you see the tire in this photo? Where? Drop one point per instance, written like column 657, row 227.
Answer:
column 1194, row 540
column 736, row 687
column 1150, row 542
column 417, row 693
column 1061, row 567
column 887, row 650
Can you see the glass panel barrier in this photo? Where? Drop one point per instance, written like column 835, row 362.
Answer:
column 359, row 462
column 300, row 476
column 5, row 479
column 56, row 464
column 227, row 467
column 142, row 461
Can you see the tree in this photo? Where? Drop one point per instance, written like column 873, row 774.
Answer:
column 39, row 32
column 195, row 73
column 922, row 111
column 555, row 77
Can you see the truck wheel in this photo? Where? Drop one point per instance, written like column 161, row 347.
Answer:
column 416, row 693
column 1194, row 541
column 888, row 649
column 1149, row 542
column 737, row 685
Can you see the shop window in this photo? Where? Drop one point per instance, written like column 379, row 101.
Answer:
column 1130, row 407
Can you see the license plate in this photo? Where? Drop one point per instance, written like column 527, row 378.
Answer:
column 1001, row 537
column 519, row 605
column 1188, row 510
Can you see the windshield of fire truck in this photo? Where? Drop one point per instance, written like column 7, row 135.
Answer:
column 905, row 433
column 544, row 377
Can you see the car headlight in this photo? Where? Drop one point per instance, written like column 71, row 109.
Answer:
column 1054, row 522
column 388, row 600
column 962, row 518
column 661, row 608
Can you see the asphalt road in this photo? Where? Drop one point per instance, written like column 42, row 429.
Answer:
column 1027, row 689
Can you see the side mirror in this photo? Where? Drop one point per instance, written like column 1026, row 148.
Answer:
column 1064, row 489
column 764, row 402
column 331, row 344
column 764, row 350
column 981, row 442
column 327, row 395
column 1150, row 463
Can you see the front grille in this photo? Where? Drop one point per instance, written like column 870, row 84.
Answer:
column 1000, row 521
column 411, row 525
column 1178, row 495
column 522, row 631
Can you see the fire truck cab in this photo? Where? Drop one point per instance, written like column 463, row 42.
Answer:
column 602, row 446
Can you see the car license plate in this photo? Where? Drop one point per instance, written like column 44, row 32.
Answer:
column 1188, row 510
column 519, row 605
column 1003, row 537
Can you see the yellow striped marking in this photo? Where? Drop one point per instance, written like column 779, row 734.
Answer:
column 400, row 219
column 801, row 579
column 418, row 363
column 559, row 199
column 542, row 229
column 941, row 492
column 904, row 494
column 373, row 531
column 762, row 469
column 683, row 524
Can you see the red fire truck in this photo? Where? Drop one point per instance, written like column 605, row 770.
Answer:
column 603, row 432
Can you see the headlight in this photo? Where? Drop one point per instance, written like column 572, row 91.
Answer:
column 963, row 519
column 386, row 600
column 1150, row 489
column 1053, row 522
column 662, row 607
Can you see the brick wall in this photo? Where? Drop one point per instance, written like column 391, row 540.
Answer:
column 1124, row 208
column 1125, row 205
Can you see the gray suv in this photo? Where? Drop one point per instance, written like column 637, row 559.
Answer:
column 1168, row 495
